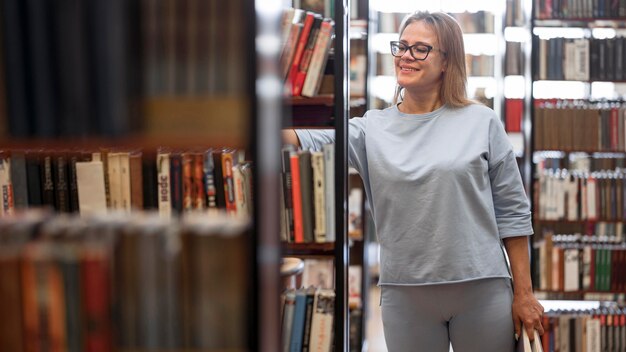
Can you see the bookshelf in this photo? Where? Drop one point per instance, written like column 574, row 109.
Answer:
column 131, row 75
column 578, row 241
column 482, row 24
column 329, row 108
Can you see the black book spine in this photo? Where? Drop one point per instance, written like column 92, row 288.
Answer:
column 73, row 184
column 33, row 174
column 176, row 182
column 47, row 182
column 150, row 189
column 61, row 187
column 220, row 197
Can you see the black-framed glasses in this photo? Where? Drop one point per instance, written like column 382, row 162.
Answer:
column 418, row 51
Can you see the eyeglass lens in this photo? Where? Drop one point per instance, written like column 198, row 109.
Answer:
column 418, row 51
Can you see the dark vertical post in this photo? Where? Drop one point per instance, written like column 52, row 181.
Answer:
column 342, row 96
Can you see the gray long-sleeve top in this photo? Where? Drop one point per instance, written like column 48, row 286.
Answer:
column 444, row 189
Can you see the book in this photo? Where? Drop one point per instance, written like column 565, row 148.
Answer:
column 300, row 73
column 525, row 345
column 208, row 169
column 6, row 188
column 322, row 321
column 319, row 196
column 287, row 190
column 319, row 58
column 296, row 193
column 115, row 180
column 135, row 173
column 287, row 321
column 19, row 180
column 163, row 182
column 91, row 191
column 329, row 190
column 10, row 297
column 306, row 192
column 176, row 182
column 297, row 329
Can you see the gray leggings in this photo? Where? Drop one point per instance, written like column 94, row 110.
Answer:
column 475, row 316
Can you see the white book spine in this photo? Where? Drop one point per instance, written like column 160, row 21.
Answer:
column 163, row 184
column 329, row 190
column 319, row 197
column 115, row 180
column 124, row 169
column 7, row 206
column 240, row 201
column 322, row 321
column 593, row 335
column 571, row 270
column 91, row 189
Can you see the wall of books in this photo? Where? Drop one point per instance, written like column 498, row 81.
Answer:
column 129, row 132
column 577, row 117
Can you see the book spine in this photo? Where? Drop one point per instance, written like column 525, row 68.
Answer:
column 95, row 283
column 176, row 182
column 187, row 182
column 209, row 179
column 318, row 60
column 229, row 186
column 136, row 181
column 163, row 182
column 198, row 196
column 47, row 182
column 298, row 228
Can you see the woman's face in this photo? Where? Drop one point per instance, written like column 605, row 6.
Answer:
column 419, row 75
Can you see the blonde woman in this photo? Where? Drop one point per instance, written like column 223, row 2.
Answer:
column 447, row 200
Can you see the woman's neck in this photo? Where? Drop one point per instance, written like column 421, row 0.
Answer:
column 422, row 104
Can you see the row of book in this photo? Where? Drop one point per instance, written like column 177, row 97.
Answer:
column 80, row 70
column 579, row 126
column 192, row 47
column 581, row 162
column 575, row 196
column 513, row 114
column 579, row 9
column 107, row 180
column 123, row 282
column 475, row 22
column 307, row 319
column 594, row 330
column 308, row 195
column 470, row 22
column 306, row 43
column 581, row 59
column 514, row 59
column 479, row 65
column 514, row 15
column 574, row 263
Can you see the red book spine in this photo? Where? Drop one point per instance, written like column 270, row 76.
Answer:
column 198, row 182
column 297, row 57
column 96, row 286
column 229, row 184
column 187, row 182
column 298, row 228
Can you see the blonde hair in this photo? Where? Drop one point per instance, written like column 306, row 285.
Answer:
column 453, row 86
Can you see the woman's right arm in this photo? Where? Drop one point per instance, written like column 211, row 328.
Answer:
column 290, row 137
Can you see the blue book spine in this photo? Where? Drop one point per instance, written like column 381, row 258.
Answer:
column 297, row 329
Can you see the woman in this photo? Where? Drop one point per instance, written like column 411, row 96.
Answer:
column 446, row 193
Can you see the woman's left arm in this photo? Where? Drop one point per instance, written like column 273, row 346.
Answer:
column 526, row 309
